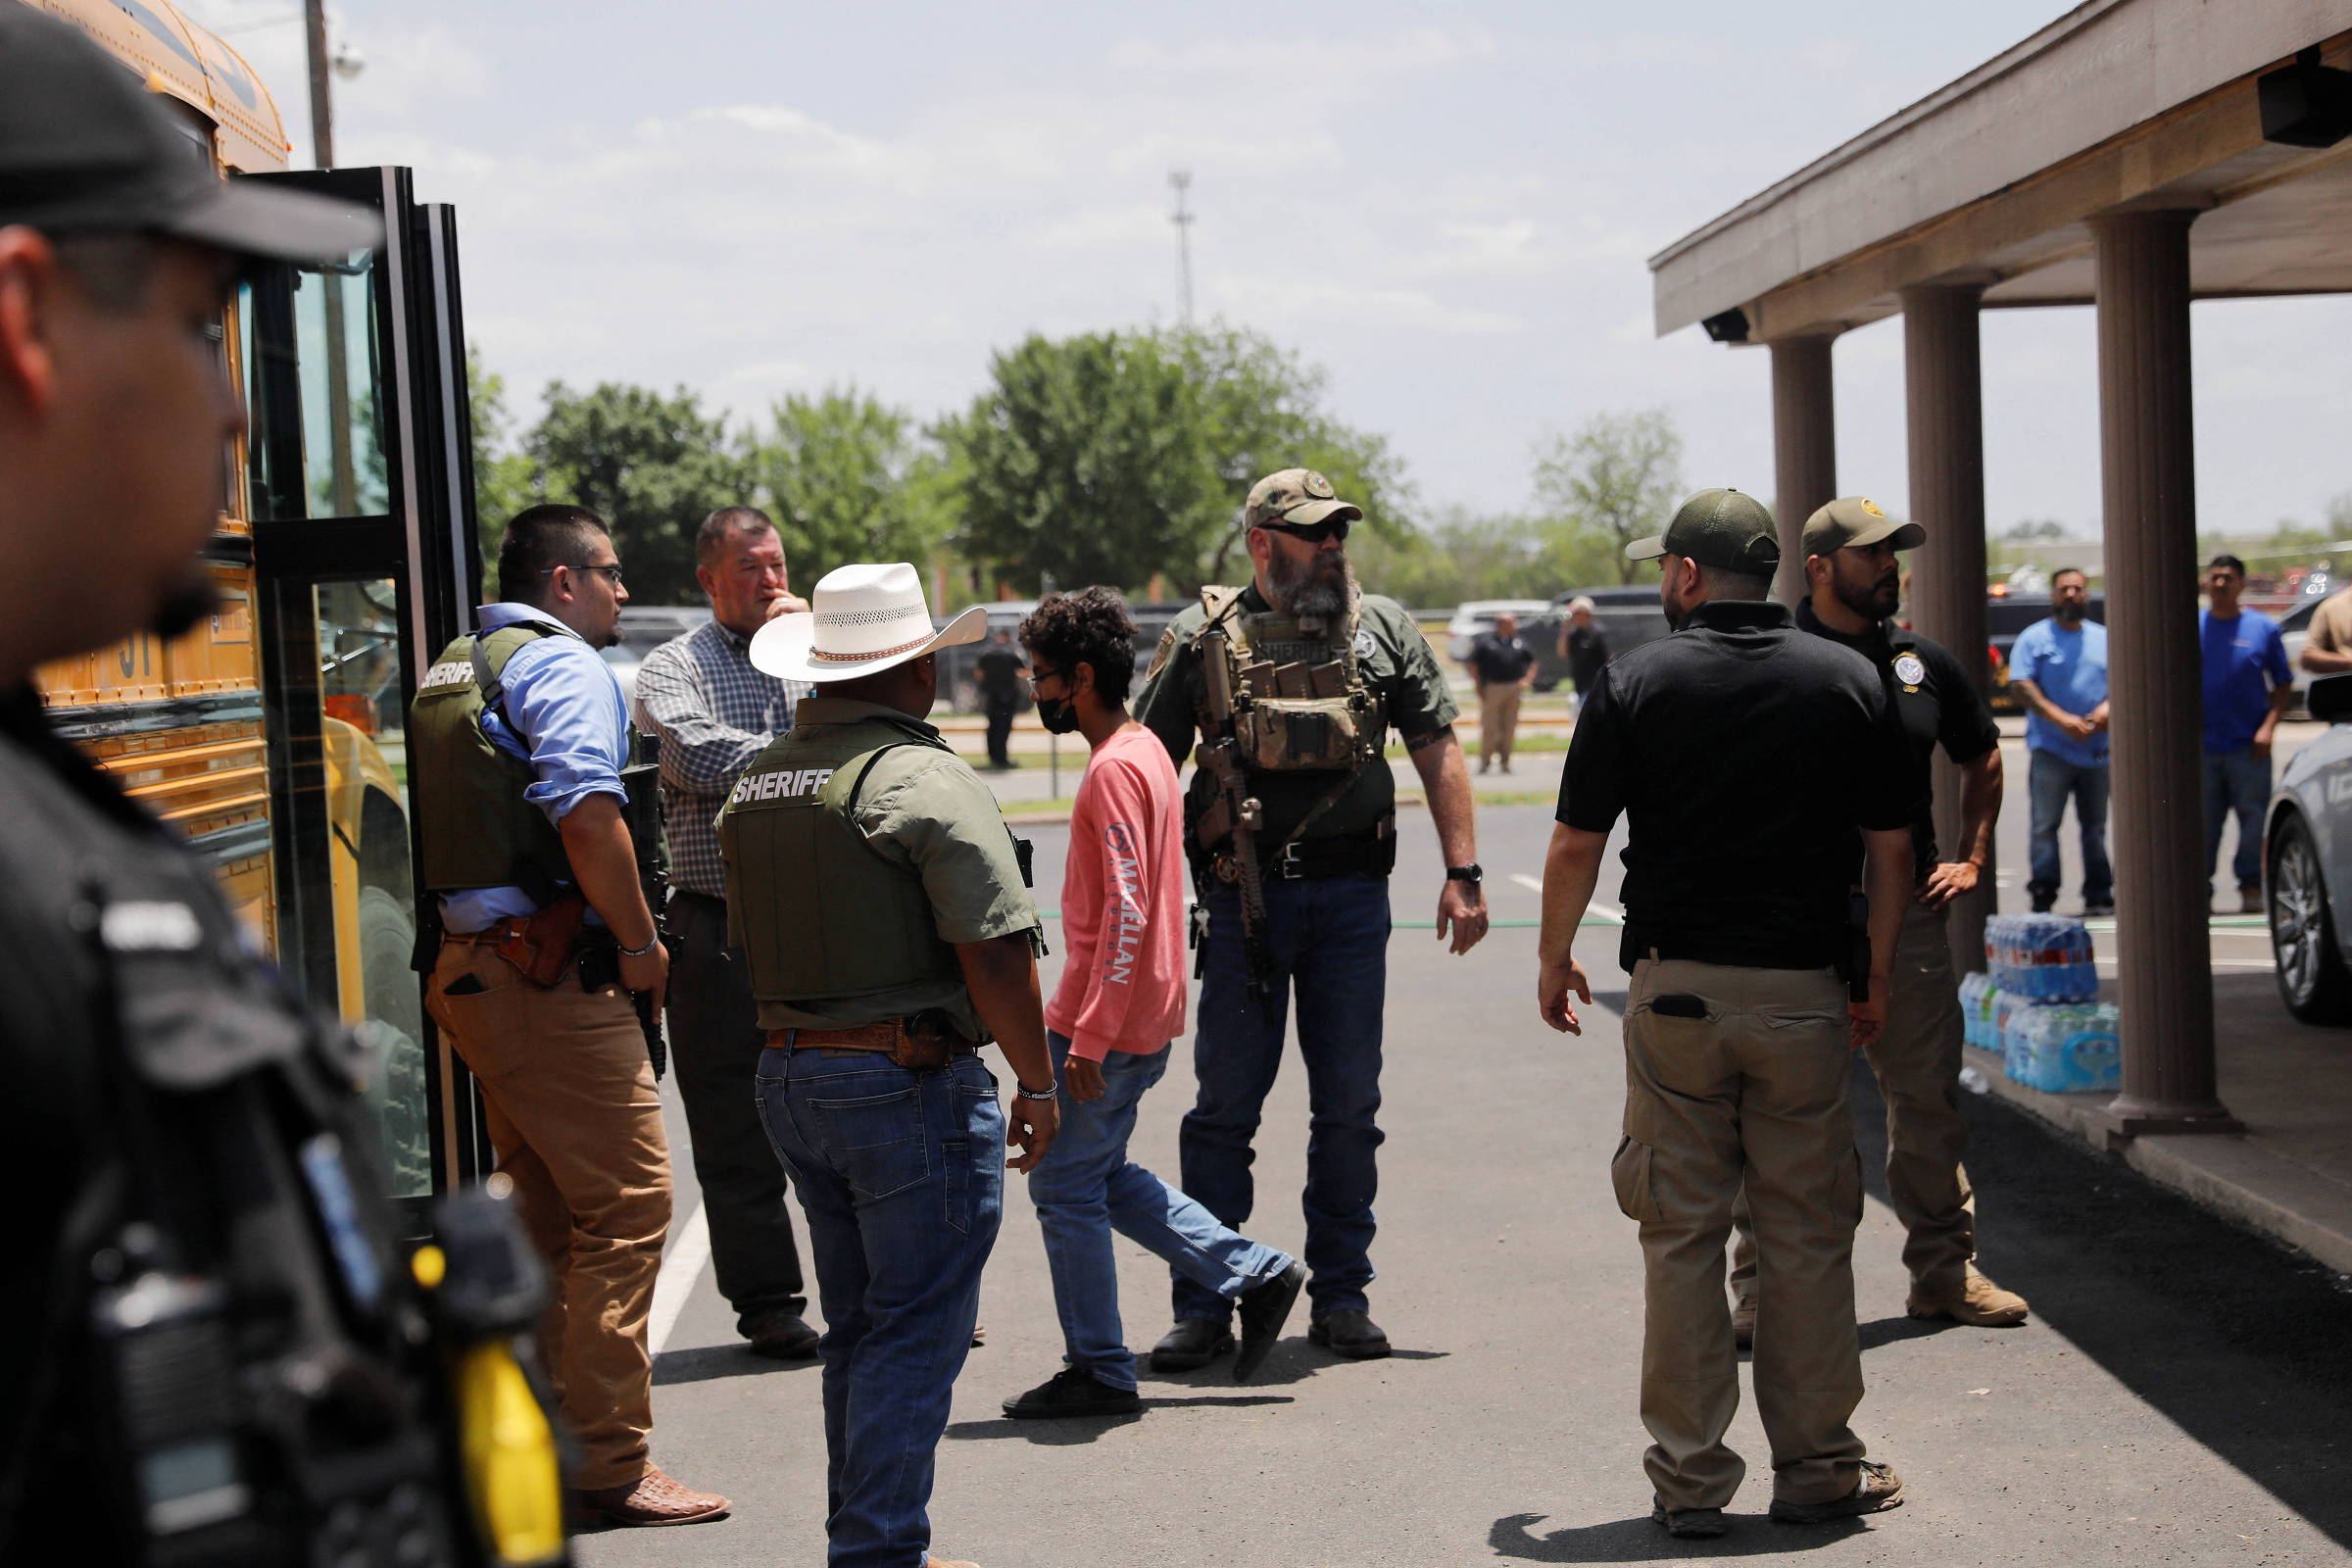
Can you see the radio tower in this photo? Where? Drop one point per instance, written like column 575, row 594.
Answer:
column 1182, row 180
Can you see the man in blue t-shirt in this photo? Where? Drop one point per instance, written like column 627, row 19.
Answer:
column 2247, row 687
column 2059, row 670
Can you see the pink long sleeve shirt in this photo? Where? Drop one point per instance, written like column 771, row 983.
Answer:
column 1122, row 904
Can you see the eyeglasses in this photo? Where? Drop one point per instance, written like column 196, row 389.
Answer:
column 1314, row 533
column 1034, row 674
column 611, row 570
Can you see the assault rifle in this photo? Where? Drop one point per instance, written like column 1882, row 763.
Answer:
column 1233, row 814
column 642, row 810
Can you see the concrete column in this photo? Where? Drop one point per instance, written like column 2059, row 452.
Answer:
column 1804, row 450
column 2148, row 476
column 1945, row 406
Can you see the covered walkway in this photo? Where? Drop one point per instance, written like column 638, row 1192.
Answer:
column 2134, row 155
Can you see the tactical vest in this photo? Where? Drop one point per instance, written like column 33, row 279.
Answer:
column 819, row 912
column 478, row 830
column 1286, row 713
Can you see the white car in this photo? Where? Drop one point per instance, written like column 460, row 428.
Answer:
column 642, row 630
column 2307, row 852
column 1479, row 615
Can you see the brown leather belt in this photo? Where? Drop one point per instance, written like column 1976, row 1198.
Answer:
column 494, row 932
column 884, row 1037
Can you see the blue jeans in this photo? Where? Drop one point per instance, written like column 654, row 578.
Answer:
column 2051, row 780
column 2236, row 782
column 1086, row 1188
column 902, row 1177
column 1329, row 940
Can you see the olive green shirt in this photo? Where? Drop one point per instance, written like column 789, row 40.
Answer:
column 927, row 811
column 1396, row 661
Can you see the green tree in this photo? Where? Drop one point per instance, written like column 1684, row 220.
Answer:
column 847, row 477
column 652, row 467
column 504, row 482
column 1615, row 478
column 1083, row 463
column 1260, row 409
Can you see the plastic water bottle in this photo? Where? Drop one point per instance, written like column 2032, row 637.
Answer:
column 1973, row 1080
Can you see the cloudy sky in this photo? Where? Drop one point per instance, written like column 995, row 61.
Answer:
column 1446, row 206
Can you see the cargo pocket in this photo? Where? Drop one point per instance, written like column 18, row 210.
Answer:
column 876, row 1143
column 1629, row 1173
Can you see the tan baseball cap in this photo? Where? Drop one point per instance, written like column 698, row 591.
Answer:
column 1300, row 497
column 1851, row 521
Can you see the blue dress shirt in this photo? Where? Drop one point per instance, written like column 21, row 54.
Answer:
column 570, row 723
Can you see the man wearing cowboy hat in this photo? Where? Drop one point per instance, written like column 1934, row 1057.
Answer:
column 881, row 906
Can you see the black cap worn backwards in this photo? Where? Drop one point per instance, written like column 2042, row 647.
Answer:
column 86, row 150
column 1720, row 528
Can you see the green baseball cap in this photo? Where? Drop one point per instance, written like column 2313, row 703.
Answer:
column 1720, row 528
column 1300, row 497
column 1853, row 521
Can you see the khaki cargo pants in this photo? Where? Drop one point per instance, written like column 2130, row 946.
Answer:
column 1497, row 720
column 1755, row 1089
column 577, row 1124
column 1917, row 1063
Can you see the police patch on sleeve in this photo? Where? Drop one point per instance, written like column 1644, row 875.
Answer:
column 1909, row 670
column 1365, row 644
column 1161, row 653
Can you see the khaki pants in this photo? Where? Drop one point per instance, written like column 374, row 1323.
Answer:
column 577, row 1125
column 1917, row 1063
column 1758, row 1088
column 1497, row 720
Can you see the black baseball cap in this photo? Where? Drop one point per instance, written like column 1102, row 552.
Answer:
column 86, row 150
column 1720, row 528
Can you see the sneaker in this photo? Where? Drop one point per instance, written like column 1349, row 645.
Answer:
column 1688, row 1523
column 1879, row 1489
column 1072, row 1391
column 1192, row 1343
column 1979, row 1303
column 2249, row 899
column 653, row 1498
column 1744, row 1322
column 2098, row 909
column 1263, row 1309
column 1350, row 1333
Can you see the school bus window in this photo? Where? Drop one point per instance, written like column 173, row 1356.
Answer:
column 310, row 369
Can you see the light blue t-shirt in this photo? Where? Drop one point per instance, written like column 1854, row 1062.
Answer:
column 2071, row 668
column 2246, row 658
column 574, row 732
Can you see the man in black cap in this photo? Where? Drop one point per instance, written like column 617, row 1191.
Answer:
column 214, row 1350
column 1755, row 766
column 1855, row 584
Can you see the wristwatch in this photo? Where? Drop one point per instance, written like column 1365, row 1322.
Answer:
column 1473, row 873
column 1024, row 1092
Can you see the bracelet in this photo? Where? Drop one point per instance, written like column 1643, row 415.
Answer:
column 651, row 943
column 1024, row 1092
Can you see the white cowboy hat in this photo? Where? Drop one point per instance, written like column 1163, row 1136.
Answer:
column 863, row 619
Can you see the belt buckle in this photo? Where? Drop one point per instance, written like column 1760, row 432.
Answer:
column 1285, row 865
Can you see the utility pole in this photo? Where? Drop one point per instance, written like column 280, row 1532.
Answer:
column 1182, row 179
column 322, row 114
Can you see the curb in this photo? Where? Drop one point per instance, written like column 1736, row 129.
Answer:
column 2230, row 1173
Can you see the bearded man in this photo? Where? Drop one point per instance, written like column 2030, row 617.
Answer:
column 1293, row 683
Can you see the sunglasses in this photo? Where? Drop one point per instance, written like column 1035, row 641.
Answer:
column 1314, row 533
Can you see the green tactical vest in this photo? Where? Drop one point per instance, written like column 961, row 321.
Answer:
column 478, row 830
column 819, row 913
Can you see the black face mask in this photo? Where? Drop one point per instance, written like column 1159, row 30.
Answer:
column 1059, row 714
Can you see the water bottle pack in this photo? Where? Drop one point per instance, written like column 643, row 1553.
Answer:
column 2042, row 957
column 1976, row 1010
column 2063, row 1047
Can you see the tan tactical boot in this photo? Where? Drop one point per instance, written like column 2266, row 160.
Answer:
column 1977, row 1303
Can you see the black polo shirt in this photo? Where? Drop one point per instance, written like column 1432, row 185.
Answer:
column 1746, row 756
column 1935, row 702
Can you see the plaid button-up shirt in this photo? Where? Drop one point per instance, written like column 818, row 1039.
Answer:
column 713, row 713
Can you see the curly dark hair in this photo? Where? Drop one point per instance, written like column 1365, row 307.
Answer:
column 1091, row 626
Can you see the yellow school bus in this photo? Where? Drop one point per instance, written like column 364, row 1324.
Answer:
column 273, row 736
